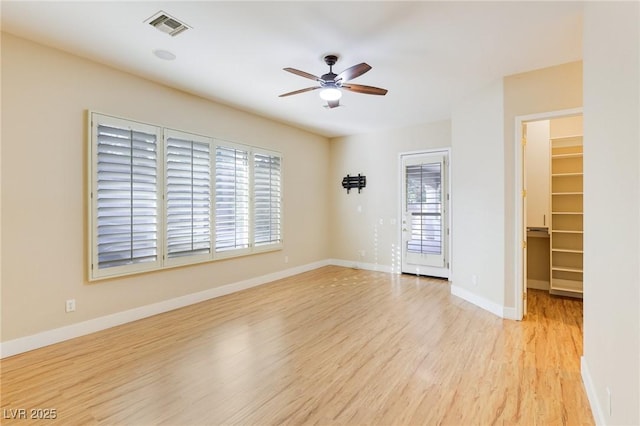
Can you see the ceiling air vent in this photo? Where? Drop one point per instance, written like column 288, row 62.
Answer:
column 167, row 24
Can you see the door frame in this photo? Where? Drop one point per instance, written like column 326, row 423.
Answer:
column 520, row 281
column 429, row 271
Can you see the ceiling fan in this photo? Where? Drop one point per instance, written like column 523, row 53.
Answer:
column 331, row 83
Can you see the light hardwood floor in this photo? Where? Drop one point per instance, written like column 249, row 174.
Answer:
column 331, row 346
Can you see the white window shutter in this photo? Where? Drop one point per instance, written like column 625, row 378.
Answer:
column 188, row 196
column 424, row 203
column 126, row 196
column 267, row 187
column 232, row 199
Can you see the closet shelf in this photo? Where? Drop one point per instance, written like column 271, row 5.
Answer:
column 572, row 155
column 572, row 286
column 562, row 138
column 566, row 174
column 561, row 250
column 566, row 245
column 565, row 268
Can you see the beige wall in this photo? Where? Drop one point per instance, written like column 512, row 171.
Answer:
column 483, row 177
column 45, row 93
column 612, row 210
column 549, row 89
column 566, row 126
column 477, row 203
column 365, row 221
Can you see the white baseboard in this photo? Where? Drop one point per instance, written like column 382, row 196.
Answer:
column 56, row 335
column 426, row 271
column 479, row 301
column 361, row 265
column 510, row 313
column 596, row 408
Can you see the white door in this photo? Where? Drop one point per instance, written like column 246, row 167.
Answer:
column 536, row 173
column 424, row 214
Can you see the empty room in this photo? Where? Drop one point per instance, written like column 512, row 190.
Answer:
column 262, row 213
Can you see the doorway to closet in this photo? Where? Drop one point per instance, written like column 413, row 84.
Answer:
column 550, row 212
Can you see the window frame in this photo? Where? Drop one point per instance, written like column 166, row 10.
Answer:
column 163, row 261
column 94, row 271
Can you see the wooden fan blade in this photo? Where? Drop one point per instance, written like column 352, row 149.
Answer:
column 308, row 89
column 353, row 72
column 367, row 90
column 302, row 74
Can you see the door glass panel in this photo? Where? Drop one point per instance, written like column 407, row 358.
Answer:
column 424, row 205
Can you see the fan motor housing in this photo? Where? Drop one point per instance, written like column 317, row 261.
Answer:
column 328, row 78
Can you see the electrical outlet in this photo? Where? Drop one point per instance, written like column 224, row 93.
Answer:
column 286, row 259
column 474, row 280
column 70, row 305
column 609, row 400
column 362, row 253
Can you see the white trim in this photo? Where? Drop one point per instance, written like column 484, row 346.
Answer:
column 519, row 280
column 509, row 313
column 56, row 335
column 430, row 271
column 486, row 304
column 596, row 409
column 354, row 264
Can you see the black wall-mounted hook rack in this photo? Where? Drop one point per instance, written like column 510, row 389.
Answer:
column 349, row 182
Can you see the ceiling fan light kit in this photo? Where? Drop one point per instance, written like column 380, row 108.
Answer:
column 330, row 94
column 331, row 83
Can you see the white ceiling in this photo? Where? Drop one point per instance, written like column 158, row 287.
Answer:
column 427, row 54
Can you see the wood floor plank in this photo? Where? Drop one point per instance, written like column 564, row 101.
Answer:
column 331, row 346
